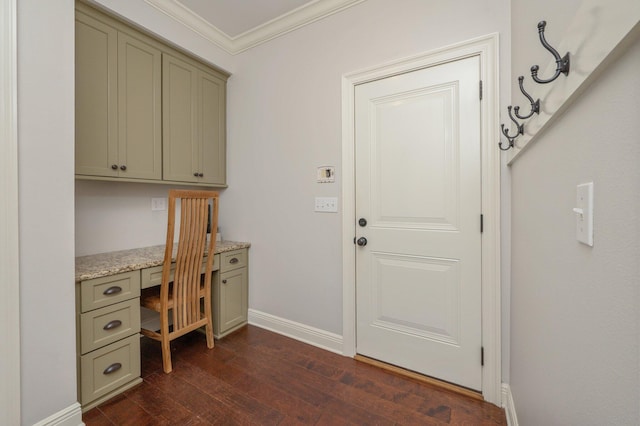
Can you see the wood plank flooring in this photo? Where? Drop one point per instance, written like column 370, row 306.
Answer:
column 256, row 377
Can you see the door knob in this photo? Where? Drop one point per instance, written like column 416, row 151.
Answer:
column 362, row 241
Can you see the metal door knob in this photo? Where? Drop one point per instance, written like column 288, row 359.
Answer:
column 362, row 222
column 362, row 241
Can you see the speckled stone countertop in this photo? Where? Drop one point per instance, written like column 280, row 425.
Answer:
column 115, row 262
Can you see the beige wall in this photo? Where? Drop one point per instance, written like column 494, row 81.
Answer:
column 575, row 309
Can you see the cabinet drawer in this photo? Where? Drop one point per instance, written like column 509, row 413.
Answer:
column 109, row 324
column 233, row 259
column 100, row 292
column 108, row 368
column 153, row 276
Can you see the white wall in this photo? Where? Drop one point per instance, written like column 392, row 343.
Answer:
column 46, row 213
column 285, row 120
column 575, row 309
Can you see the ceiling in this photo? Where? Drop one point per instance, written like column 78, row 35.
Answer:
column 238, row 25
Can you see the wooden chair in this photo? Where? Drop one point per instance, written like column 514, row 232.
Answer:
column 180, row 295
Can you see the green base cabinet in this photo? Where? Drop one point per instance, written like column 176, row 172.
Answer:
column 108, row 336
column 230, row 293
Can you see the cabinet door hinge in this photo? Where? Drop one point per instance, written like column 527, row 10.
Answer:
column 481, row 223
column 480, row 89
column 482, row 356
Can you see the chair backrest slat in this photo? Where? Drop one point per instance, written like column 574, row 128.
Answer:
column 191, row 249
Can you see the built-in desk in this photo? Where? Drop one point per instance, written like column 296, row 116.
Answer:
column 108, row 312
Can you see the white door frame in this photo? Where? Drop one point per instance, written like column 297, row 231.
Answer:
column 9, row 256
column 486, row 48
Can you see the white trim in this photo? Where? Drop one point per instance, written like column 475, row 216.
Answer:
column 70, row 416
column 283, row 24
column 486, row 48
column 9, row 240
column 304, row 333
column 508, row 405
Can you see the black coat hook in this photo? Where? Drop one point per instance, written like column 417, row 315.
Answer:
column 505, row 132
column 562, row 64
column 535, row 105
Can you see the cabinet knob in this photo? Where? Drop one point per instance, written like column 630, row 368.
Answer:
column 123, row 167
column 195, row 174
column 224, row 281
column 200, row 175
column 114, row 166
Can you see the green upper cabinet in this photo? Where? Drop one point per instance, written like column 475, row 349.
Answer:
column 144, row 110
column 118, row 103
column 193, row 108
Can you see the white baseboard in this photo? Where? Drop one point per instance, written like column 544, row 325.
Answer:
column 508, row 405
column 304, row 333
column 70, row 416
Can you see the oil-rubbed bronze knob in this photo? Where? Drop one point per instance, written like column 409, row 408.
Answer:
column 123, row 167
column 362, row 241
column 195, row 174
column 114, row 166
column 200, row 175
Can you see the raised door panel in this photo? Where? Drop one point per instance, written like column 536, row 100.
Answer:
column 213, row 133
column 96, row 92
column 232, row 301
column 179, row 120
column 139, row 109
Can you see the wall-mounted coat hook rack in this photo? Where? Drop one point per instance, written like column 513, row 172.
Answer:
column 505, row 132
column 562, row 64
column 535, row 105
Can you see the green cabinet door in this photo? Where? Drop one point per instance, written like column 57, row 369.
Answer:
column 139, row 109
column 213, row 128
column 96, row 98
column 179, row 120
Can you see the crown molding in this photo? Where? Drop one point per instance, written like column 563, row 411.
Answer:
column 283, row 24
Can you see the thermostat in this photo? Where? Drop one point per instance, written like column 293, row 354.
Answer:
column 326, row 174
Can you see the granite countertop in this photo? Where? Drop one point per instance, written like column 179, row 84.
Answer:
column 115, row 262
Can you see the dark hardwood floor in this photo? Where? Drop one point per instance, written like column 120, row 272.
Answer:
column 256, row 377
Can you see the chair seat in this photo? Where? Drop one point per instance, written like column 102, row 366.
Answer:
column 150, row 297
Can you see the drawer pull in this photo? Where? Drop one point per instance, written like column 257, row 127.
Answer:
column 112, row 324
column 112, row 368
column 112, row 290
column 233, row 260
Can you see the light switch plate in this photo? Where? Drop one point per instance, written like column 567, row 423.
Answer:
column 326, row 204
column 584, row 213
column 158, row 204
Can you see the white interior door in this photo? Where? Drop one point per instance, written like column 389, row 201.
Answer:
column 418, row 186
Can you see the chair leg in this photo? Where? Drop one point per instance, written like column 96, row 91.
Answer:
column 209, row 332
column 166, row 354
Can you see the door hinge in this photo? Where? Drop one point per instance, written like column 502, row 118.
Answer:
column 481, row 223
column 482, row 356
column 480, row 89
